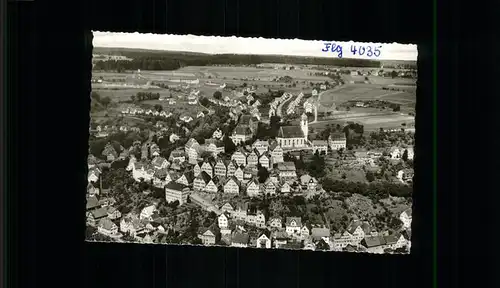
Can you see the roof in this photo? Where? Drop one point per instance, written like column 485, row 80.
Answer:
column 92, row 202
column 234, row 179
column 265, row 232
column 374, row 241
column 106, row 224
column 245, row 119
column 290, row 132
column 191, row 142
column 408, row 212
column 204, row 176
column 286, row 166
column 365, row 226
column 189, row 176
column 100, row 213
column 296, row 219
column 158, row 161
column 175, row 186
column 320, row 232
column 161, row 173
column 242, row 130
column 240, row 238
column 320, row 143
column 337, row 136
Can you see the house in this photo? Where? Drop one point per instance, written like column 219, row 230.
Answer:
column 264, row 240
column 208, row 168
column 252, row 158
column 91, row 190
column 377, row 244
column 280, row 238
column 287, row 171
column 223, row 221
column 261, row 146
column 97, row 214
column 358, row 231
column 305, row 231
column 212, row 185
column 240, row 240
column 270, row 187
column 147, row 213
column 285, row 188
column 318, row 233
column 186, row 179
column 214, row 146
column 160, row 163
column 197, row 169
column 253, row 188
column 191, row 149
column 239, row 174
column 173, row 137
column 314, row 92
column 240, row 156
column 217, row 134
column 177, row 156
column 410, row 153
column 113, row 213
column 220, row 168
column 232, row 186
column 231, row 168
column 275, row 222
column 227, row 208
column 106, row 226
column 395, row 153
column 176, row 192
column 293, row 225
column 109, row 152
column 337, row 141
column 405, row 217
column 210, row 236
column 265, row 160
column 93, row 175
column 241, row 134
column 201, row 181
column 320, row 145
column 200, row 115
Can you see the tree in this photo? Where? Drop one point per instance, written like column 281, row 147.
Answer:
column 405, row 155
column 105, row 101
column 204, row 101
column 263, row 174
column 229, row 146
column 217, row 95
column 158, row 107
column 369, row 176
column 132, row 98
column 394, row 74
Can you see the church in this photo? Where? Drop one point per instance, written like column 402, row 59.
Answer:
column 294, row 136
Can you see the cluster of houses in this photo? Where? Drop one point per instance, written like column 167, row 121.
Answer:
column 292, row 233
column 140, row 111
column 273, row 110
column 291, row 106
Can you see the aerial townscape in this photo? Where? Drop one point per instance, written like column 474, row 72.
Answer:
column 261, row 151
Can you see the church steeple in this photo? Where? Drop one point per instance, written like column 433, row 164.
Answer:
column 304, row 125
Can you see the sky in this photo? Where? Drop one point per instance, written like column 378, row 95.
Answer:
column 239, row 45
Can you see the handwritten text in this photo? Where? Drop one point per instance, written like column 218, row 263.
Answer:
column 359, row 50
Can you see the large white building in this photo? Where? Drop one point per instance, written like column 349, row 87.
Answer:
column 176, row 191
column 293, row 136
column 337, row 141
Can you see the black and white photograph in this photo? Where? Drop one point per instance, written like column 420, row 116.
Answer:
column 251, row 142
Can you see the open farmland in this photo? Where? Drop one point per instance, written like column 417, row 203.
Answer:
column 364, row 92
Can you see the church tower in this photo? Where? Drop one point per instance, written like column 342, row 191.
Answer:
column 304, row 125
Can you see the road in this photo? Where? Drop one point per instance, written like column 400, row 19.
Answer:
column 280, row 107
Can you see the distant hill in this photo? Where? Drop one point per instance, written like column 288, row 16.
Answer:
column 143, row 52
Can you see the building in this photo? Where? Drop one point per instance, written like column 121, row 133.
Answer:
column 240, row 240
column 239, row 174
column 201, row 181
column 214, row 146
column 405, row 217
column 207, row 166
column 261, row 146
column 285, row 188
column 241, row 134
column 240, row 156
column 176, row 191
column 223, row 221
column 177, row 156
column 147, row 213
column 337, row 141
column 275, row 222
column 210, row 236
column 212, row 185
column 253, row 188
column 287, row 171
column 264, row 240
column 232, row 186
column 106, row 226
column 220, row 168
column 293, row 136
column 231, row 168
column 253, row 158
column 320, row 145
column 277, row 155
column 270, row 187
column 265, row 160
column 318, row 233
column 192, row 149
column 227, row 208
column 293, row 225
